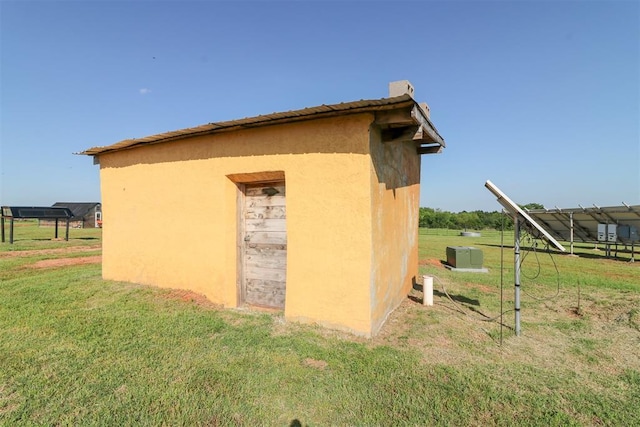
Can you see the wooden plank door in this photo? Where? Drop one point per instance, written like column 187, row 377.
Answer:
column 264, row 246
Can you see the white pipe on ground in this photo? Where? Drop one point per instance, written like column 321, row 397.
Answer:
column 427, row 290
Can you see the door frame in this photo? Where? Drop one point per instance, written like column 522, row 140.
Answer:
column 240, row 233
column 240, row 244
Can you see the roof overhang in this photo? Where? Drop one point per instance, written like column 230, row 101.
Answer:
column 410, row 123
column 400, row 119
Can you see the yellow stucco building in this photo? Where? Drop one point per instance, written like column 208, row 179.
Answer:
column 313, row 211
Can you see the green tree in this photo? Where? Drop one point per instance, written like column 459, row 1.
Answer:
column 532, row 206
column 468, row 220
column 475, row 220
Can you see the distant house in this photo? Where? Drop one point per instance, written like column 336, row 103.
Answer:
column 85, row 215
column 313, row 211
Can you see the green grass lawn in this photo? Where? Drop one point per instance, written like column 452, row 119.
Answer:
column 75, row 349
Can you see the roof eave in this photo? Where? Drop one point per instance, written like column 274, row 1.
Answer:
column 323, row 111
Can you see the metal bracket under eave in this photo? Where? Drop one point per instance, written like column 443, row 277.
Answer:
column 96, row 160
column 401, row 134
column 430, row 149
column 416, row 133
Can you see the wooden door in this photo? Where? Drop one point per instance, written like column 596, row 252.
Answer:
column 264, row 245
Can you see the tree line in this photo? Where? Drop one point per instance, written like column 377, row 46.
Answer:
column 474, row 220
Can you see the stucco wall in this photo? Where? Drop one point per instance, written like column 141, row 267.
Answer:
column 170, row 215
column 395, row 189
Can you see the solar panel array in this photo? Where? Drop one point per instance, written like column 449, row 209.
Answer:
column 584, row 221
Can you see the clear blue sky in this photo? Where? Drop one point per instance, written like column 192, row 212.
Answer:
column 542, row 98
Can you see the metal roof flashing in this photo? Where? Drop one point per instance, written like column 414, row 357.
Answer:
column 418, row 114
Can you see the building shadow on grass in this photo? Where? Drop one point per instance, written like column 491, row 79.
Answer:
column 459, row 303
column 458, row 298
column 455, row 297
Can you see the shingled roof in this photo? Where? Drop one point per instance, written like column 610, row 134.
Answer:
column 79, row 210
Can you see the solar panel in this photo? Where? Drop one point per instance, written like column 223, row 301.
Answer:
column 515, row 210
column 36, row 212
column 31, row 212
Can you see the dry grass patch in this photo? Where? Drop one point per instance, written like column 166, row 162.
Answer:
column 65, row 262
column 55, row 251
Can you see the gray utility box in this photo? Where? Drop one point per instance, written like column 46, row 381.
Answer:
column 464, row 257
column 628, row 233
column 607, row 233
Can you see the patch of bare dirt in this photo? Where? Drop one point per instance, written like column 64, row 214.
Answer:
column 313, row 363
column 70, row 249
column 481, row 288
column 65, row 262
column 190, row 296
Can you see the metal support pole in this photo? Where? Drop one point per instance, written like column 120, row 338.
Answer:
column 571, row 231
column 516, row 260
column 501, row 271
column 56, row 228
column 2, row 221
column 11, row 231
column 66, row 236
